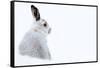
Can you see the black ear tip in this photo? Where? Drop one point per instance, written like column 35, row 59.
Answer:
column 32, row 6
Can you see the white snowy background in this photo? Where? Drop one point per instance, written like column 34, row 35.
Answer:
column 73, row 35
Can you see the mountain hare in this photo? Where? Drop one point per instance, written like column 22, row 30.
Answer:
column 34, row 43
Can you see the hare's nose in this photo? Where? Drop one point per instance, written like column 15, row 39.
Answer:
column 49, row 31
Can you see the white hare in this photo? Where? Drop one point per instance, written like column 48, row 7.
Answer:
column 34, row 43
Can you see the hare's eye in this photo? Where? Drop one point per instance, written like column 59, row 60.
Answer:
column 44, row 24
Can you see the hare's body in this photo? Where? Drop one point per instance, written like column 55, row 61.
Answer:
column 34, row 43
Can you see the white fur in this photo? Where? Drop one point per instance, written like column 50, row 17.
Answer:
column 34, row 43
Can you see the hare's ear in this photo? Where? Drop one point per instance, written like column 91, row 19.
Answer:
column 35, row 12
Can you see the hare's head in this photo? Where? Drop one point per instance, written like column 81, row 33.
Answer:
column 40, row 23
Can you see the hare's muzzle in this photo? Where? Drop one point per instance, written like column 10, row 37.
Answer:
column 49, row 31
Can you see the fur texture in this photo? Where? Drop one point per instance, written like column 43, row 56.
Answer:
column 34, row 43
